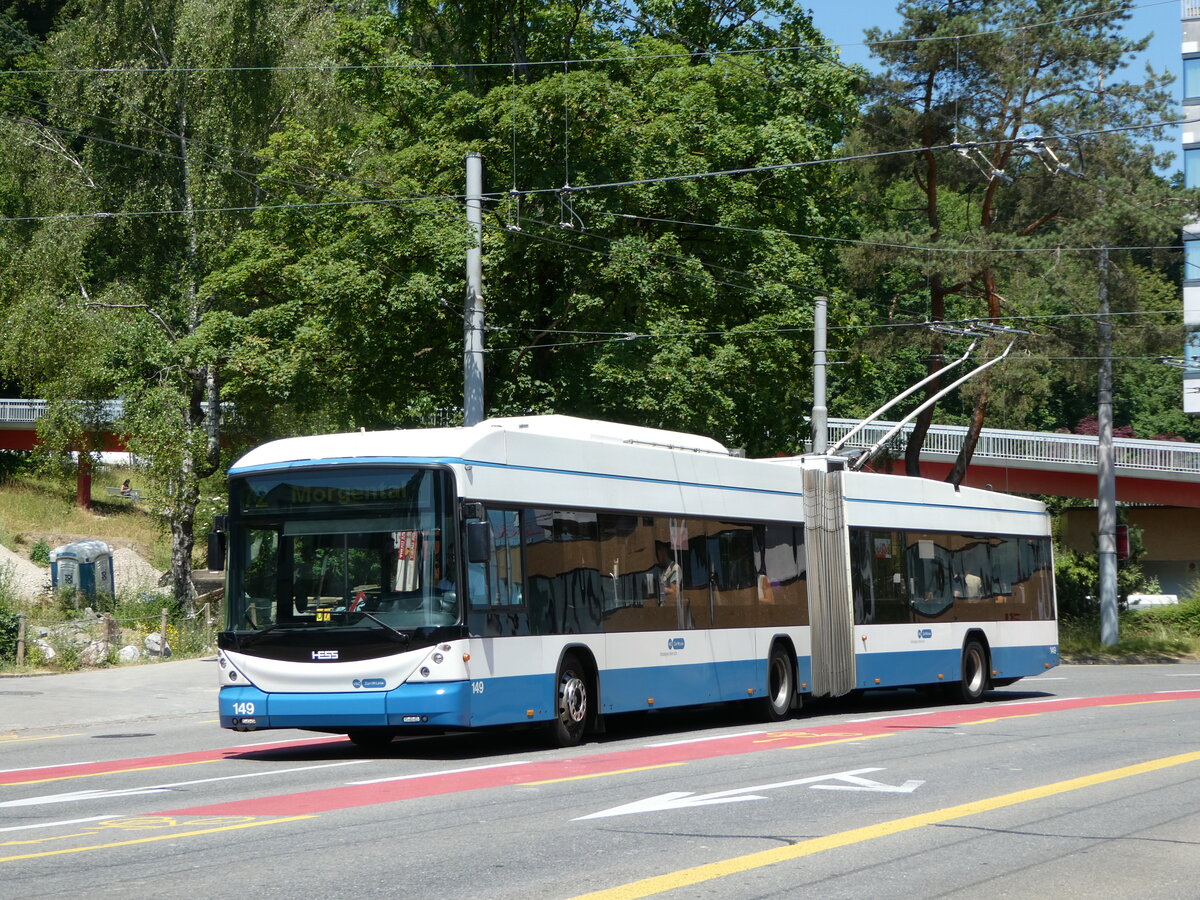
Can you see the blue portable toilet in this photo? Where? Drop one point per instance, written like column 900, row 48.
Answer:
column 85, row 566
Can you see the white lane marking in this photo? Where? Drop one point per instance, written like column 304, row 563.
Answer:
column 64, row 822
column 443, row 772
column 688, row 800
column 74, row 796
column 717, row 737
column 90, row 762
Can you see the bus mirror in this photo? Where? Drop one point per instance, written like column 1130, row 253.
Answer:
column 478, row 542
column 472, row 509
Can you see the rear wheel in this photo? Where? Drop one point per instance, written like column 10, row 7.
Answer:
column 974, row 673
column 781, row 685
column 571, row 702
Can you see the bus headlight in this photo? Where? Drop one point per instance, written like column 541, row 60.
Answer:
column 437, row 657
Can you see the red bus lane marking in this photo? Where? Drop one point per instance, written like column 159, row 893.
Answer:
column 409, row 787
column 116, row 766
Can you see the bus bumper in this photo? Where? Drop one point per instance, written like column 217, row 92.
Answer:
column 440, row 704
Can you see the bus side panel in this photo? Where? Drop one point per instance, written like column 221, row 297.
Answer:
column 657, row 669
column 510, row 681
column 931, row 653
column 741, row 673
column 1025, row 648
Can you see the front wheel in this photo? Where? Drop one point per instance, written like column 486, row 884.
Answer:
column 974, row 673
column 571, row 702
column 781, row 685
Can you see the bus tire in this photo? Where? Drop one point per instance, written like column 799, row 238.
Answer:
column 571, row 702
column 781, row 685
column 974, row 679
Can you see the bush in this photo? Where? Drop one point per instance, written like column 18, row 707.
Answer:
column 40, row 553
column 9, row 626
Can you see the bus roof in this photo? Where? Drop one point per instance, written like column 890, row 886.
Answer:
column 477, row 442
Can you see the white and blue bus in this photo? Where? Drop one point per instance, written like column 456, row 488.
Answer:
column 553, row 570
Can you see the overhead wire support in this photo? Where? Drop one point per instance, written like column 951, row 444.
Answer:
column 867, row 455
column 901, row 396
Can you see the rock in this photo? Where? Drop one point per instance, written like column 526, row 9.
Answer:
column 156, row 645
column 94, row 654
column 48, row 653
column 129, row 653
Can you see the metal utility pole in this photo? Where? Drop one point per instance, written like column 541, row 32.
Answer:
column 820, row 412
column 473, row 317
column 1106, row 488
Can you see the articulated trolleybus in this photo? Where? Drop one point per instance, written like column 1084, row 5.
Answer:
column 554, row 570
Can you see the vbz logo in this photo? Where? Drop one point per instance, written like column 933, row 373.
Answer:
column 924, row 633
column 674, row 643
column 324, row 654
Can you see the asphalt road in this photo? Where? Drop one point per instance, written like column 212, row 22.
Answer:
column 1082, row 781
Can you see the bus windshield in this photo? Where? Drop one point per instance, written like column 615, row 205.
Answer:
column 345, row 546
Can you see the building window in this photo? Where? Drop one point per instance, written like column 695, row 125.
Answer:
column 1191, row 168
column 1191, row 77
column 1191, row 260
column 1191, row 352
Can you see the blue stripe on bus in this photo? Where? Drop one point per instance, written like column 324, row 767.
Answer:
column 911, row 667
column 438, row 704
column 530, row 698
column 445, row 461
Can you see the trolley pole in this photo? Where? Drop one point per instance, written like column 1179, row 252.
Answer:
column 1106, row 488
column 473, row 318
column 820, row 412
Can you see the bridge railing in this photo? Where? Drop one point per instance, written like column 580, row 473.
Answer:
column 1033, row 446
column 29, row 411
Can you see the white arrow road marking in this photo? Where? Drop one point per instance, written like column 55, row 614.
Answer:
column 866, row 784
column 95, row 794
column 688, row 799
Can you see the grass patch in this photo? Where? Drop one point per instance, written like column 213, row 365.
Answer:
column 33, row 506
column 1160, row 632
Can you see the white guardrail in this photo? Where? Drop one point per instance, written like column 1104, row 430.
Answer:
column 26, row 412
column 1040, row 449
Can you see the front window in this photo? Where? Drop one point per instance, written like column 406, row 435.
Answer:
column 342, row 547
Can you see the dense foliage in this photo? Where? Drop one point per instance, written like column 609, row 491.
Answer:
column 258, row 203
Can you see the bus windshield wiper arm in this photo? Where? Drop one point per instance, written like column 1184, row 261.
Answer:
column 407, row 638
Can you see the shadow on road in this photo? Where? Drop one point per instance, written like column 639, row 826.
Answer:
column 685, row 724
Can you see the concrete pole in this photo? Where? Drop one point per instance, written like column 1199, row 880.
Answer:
column 820, row 412
column 473, row 318
column 1106, row 487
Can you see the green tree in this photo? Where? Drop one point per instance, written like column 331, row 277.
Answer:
column 1010, row 104
column 679, row 302
column 130, row 162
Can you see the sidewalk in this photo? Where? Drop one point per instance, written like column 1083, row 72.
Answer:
column 102, row 696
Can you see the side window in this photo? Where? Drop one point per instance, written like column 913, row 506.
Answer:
column 563, row 578
column 928, row 559
column 500, row 582
column 508, row 580
column 879, row 577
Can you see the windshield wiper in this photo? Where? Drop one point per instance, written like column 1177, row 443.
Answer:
column 406, row 638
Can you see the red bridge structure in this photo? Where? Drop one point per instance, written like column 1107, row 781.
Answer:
column 1162, row 473
column 18, row 431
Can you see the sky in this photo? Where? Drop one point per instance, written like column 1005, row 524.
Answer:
column 843, row 21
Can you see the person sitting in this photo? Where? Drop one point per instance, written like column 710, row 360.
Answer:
column 126, row 490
